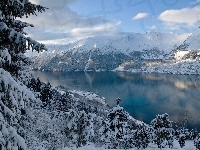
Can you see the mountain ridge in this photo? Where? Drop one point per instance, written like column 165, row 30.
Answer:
column 133, row 51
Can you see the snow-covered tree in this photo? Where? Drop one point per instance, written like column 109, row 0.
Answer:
column 12, row 35
column 12, row 96
column 15, row 98
column 80, row 127
column 46, row 94
column 182, row 133
column 141, row 136
column 55, row 99
column 181, row 140
column 114, row 130
column 163, row 130
column 197, row 142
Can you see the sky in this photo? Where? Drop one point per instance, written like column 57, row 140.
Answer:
column 69, row 20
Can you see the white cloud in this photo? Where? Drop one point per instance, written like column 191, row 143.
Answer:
column 104, row 29
column 60, row 22
column 185, row 18
column 174, row 26
column 140, row 16
column 61, row 37
column 53, row 3
column 60, row 41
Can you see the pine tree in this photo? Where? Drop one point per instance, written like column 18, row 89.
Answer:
column 114, row 129
column 46, row 94
column 182, row 133
column 197, row 142
column 80, row 128
column 15, row 98
column 163, row 131
column 12, row 37
column 141, row 136
column 181, row 140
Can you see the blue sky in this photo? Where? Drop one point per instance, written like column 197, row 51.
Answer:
column 70, row 20
column 124, row 11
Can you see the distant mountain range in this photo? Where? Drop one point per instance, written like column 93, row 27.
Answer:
column 150, row 52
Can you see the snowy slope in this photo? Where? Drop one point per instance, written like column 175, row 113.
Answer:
column 193, row 40
column 129, row 42
column 188, row 146
column 102, row 53
column 186, row 58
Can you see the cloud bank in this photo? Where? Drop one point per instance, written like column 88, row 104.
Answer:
column 61, row 24
column 176, row 19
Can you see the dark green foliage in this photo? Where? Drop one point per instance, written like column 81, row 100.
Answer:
column 181, row 140
column 35, row 85
column 16, row 99
column 46, row 94
column 163, row 131
column 114, row 130
column 193, row 134
column 197, row 142
column 12, row 30
column 60, row 102
column 182, row 133
column 141, row 136
column 183, row 46
column 79, row 129
column 12, row 37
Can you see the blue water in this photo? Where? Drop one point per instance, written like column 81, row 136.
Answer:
column 143, row 95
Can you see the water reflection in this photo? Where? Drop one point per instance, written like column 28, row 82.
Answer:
column 143, row 95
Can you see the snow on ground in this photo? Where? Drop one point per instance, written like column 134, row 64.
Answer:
column 193, row 40
column 62, row 92
column 89, row 96
column 189, row 145
column 180, row 54
column 122, row 42
column 182, row 67
column 128, row 42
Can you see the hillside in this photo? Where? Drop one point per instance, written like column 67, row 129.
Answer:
column 193, row 41
column 105, row 53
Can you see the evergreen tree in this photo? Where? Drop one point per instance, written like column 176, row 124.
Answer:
column 182, row 133
column 16, row 99
column 193, row 134
column 141, row 136
column 197, row 142
column 12, row 36
column 114, row 130
column 181, row 140
column 46, row 94
column 163, row 131
column 80, row 128
column 58, row 101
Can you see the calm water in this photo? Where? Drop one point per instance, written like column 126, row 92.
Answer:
column 142, row 95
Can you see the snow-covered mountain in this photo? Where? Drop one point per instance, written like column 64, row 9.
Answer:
column 193, row 41
column 122, row 52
